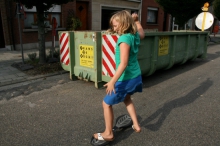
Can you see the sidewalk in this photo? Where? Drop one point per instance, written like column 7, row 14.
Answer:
column 10, row 75
column 214, row 39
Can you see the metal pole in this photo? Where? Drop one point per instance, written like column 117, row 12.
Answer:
column 18, row 14
column 53, row 42
column 53, row 45
column 140, row 11
column 173, row 23
column 11, row 23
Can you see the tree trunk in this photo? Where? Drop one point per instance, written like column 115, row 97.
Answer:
column 41, row 35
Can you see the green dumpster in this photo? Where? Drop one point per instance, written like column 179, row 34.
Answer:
column 84, row 55
column 92, row 53
column 162, row 50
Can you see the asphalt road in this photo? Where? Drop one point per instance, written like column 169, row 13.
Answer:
column 178, row 107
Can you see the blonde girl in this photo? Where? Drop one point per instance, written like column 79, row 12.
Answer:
column 127, row 79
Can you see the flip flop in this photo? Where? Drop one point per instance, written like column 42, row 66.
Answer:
column 135, row 129
column 102, row 138
column 96, row 142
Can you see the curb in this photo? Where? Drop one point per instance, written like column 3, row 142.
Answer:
column 214, row 40
column 32, row 78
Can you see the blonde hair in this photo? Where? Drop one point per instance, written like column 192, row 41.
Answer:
column 126, row 23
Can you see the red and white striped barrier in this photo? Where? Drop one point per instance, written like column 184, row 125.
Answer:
column 108, row 54
column 64, row 48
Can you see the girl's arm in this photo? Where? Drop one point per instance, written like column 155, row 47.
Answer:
column 138, row 24
column 140, row 29
column 124, row 56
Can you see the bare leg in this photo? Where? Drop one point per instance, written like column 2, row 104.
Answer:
column 131, row 110
column 109, row 117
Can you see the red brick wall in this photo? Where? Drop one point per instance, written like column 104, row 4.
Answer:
column 15, row 27
column 159, row 25
column 72, row 6
column 65, row 9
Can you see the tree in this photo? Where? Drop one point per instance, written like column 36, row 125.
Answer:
column 41, row 7
column 216, row 7
column 183, row 10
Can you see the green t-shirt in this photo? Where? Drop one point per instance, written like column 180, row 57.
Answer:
column 133, row 69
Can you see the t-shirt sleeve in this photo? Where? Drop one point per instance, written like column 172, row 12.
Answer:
column 124, row 39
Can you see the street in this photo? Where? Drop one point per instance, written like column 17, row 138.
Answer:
column 178, row 107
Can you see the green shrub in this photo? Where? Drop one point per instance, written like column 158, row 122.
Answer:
column 32, row 56
column 56, row 54
column 73, row 22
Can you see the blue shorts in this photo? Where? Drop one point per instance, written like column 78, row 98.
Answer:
column 122, row 88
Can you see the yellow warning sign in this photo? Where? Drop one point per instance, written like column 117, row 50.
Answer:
column 86, row 55
column 163, row 46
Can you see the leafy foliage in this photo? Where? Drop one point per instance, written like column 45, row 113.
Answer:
column 182, row 10
column 41, row 6
column 54, row 54
column 73, row 22
column 216, row 6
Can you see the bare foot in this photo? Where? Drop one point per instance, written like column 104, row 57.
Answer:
column 136, row 128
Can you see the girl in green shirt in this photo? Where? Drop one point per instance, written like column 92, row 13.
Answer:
column 127, row 78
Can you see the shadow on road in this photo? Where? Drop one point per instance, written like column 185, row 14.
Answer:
column 124, row 134
column 163, row 112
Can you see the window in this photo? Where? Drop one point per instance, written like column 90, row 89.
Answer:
column 107, row 12
column 31, row 16
column 152, row 15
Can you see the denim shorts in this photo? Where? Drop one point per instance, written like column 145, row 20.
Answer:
column 122, row 88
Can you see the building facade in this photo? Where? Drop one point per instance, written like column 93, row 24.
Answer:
column 153, row 17
column 94, row 15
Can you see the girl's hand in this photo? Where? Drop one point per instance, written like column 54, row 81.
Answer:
column 135, row 17
column 110, row 88
column 138, row 24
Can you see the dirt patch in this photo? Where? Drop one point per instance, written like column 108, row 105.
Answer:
column 33, row 69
